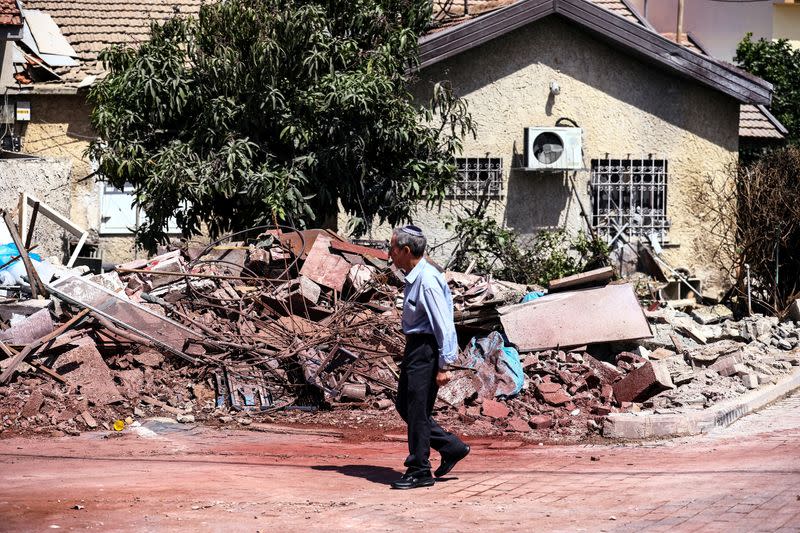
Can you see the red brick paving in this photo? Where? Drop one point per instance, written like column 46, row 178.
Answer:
column 744, row 478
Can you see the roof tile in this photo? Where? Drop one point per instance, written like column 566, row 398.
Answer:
column 754, row 122
column 477, row 7
column 92, row 25
column 9, row 13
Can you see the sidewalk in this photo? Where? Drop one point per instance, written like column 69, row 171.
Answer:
column 741, row 478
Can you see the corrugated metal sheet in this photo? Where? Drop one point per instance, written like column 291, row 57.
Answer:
column 48, row 37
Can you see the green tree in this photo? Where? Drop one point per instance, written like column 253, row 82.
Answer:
column 778, row 63
column 262, row 109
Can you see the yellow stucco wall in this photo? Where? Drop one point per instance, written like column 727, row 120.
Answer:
column 60, row 127
column 623, row 106
column 786, row 23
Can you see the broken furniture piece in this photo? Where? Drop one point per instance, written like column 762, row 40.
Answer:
column 26, row 227
column 131, row 316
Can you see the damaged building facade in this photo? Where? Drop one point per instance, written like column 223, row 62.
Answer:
column 638, row 123
column 51, row 69
column 646, row 119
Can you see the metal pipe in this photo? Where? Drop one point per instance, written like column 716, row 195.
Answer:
column 749, row 298
column 679, row 30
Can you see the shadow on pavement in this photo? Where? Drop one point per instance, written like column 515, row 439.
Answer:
column 376, row 474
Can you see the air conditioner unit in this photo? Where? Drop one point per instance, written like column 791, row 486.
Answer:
column 553, row 148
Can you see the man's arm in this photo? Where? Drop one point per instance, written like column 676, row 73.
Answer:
column 440, row 315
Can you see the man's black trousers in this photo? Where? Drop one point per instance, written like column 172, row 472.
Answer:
column 416, row 395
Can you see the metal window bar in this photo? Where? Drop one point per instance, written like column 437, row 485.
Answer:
column 477, row 177
column 629, row 196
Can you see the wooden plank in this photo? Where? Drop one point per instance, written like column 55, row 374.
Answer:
column 33, row 278
column 32, row 225
column 11, row 352
column 605, row 314
column 56, row 217
column 583, row 278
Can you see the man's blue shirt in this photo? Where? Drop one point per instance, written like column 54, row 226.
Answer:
column 428, row 308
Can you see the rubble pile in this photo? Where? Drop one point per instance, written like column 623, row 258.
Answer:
column 279, row 322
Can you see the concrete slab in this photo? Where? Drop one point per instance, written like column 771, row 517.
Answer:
column 647, row 425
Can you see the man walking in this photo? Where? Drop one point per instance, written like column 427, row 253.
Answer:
column 431, row 345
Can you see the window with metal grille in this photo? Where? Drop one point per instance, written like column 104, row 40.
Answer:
column 629, row 197
column 478, row 177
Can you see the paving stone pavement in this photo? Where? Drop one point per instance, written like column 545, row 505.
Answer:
column 742, row 478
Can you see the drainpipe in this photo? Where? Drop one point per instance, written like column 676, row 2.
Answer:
column 679, row 30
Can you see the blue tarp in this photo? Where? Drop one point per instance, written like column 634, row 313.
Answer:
column 8, row 251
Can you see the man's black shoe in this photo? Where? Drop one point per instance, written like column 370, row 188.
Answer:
column 410, row 481
column 449, row 461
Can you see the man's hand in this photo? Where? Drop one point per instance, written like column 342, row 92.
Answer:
column 442, row 378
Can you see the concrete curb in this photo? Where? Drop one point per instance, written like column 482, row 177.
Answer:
column 645, row 426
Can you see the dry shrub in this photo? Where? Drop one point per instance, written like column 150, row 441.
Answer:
column 756, row 214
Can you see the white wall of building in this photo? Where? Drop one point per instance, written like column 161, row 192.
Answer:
column 719, row 26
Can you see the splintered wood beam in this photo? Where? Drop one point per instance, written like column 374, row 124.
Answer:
column 33, row 277
column 31, row 225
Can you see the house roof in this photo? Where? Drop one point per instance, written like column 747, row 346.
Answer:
column 92, row 25
column 687, row 40
column 636, row 38
column 10, row 14
column 444, row 9
column 755, row 121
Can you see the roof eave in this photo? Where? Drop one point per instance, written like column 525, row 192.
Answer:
column 638, row 40
column 774, row 121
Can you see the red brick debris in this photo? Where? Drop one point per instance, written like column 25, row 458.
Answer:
column 305, row 326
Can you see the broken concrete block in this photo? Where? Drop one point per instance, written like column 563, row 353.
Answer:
column 494, row 409
column 764, row 378
column 783, row 344
column 150, row 358
column 607, row 372
column 750, row 380
column 643, row 382
column 84, row 367
column 606, row 392
column 794, row 310
column 169, row 262
column 661, row 353
column 458, row 390
column 89, row 419
column 30, row 329
column 360, row 275
column 109, row 280
column 712, row 315
column 34, row 403
column 518, row 424
column 601, row 410
column 540, row 421
column 693, row 332
column 23, row 308
column 553, row 394
column 258, row 260
column 727, row 366
column 300, row 292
